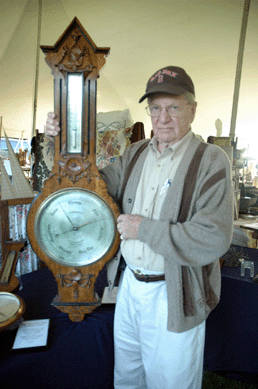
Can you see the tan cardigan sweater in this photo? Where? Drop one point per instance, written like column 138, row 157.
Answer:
column 191, row 249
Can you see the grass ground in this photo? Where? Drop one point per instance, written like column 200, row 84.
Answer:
column 214, row 381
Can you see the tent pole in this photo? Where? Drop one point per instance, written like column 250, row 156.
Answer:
column 1, row 125
column 239, row 69
column 35, row 99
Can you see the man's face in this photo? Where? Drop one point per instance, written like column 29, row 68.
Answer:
column 170, row 129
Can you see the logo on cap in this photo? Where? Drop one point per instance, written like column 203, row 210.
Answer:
column 160, row 75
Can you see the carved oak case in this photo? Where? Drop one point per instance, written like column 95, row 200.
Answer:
column 71, row 224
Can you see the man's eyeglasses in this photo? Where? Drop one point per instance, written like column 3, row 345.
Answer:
column 172, row 110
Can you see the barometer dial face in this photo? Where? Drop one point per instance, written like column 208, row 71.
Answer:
column 11, row 309
column 75, row 227
column 9, row 306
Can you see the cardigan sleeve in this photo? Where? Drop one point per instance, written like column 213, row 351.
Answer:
column 206, row 234
column 111, row 174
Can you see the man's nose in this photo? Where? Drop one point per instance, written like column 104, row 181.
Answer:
column 164, row 116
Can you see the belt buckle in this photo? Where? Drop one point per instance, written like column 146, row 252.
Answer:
column 146, row 277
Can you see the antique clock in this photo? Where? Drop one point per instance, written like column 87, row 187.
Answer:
column 72, row 223
column 12, row 308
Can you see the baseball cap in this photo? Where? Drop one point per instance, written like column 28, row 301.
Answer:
column 172, row 80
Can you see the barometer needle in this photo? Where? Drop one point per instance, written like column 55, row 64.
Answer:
column 64, row 232
column 77, row 228
column 91, row 221
column 66, row 215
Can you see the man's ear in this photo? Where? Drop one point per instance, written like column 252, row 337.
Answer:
column 193, row 109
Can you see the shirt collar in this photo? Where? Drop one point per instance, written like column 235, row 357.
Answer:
column 175, row 148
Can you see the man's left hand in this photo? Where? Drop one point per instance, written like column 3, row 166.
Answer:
column 128, row 226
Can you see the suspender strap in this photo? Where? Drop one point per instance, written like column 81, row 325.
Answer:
column 190, row 182
column 189, row 186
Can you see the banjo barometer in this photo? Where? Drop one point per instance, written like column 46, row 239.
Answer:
column 72, row 223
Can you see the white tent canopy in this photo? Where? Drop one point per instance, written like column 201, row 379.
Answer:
column 202, row 37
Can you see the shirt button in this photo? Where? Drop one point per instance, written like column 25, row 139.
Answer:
column 129, row 200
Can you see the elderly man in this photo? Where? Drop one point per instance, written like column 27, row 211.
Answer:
column 177, row 219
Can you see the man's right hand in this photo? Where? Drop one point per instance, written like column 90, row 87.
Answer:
column 52, row 125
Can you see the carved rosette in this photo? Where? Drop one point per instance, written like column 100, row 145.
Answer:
column 75, row 168
column 74, row 58
column 76, row 280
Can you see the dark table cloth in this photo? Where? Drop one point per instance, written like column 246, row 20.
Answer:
column 231, row 345
column 80, row 355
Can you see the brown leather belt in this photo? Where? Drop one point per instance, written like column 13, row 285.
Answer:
column 148, row 277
